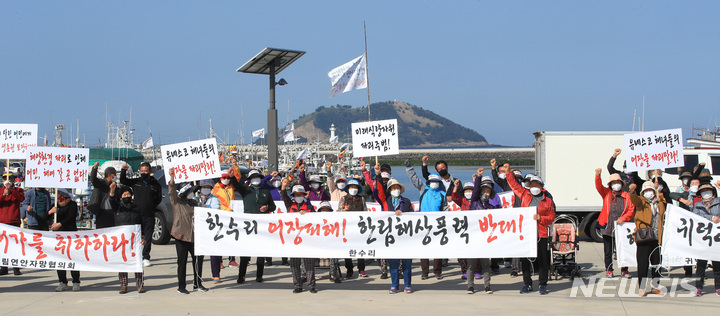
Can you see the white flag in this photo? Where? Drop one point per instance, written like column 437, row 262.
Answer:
column 259, row 133
column 289, row 137
column 302, row 155
column 350, row 76
column 290, row 127
column 147, row 143
column 334, row 139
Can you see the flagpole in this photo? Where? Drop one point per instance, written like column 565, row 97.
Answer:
column 367, row 76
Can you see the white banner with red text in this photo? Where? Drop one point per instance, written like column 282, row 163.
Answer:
column 654, row 150
column 498, row 233
column 687, row 235
column 238, row 205
column 114, row 249
column 191, row 161
column 57, row 167
column 15, row 139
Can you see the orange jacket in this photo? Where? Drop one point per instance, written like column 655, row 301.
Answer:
column 606, row 193
column 546, row 209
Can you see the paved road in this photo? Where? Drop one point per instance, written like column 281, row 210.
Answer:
column 33, row 293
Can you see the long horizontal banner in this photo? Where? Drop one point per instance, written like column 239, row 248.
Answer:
column 502, row 233
column 687, row 235
column 627, row 249
column 115, row 249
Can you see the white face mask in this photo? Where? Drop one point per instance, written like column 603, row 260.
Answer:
column 706, row 195
column 693, row 189
column 395, row 193
column 205, row 191
column 255, row 181
column 616, row 187
column 341, row 185
column 649, row 195
column 501, row 176
column 277, row 184
column 468, row 195
column 315, row 185
column 299, row 199
column 660, row 187
column 225, row 181
column 535, row 190
column 353, row 191
column 434, row 185
column 685, row 181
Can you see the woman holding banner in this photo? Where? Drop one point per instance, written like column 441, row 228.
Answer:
column 708, row 208
column 299, row 204
column 354, row 202
column 66, row 211
column 649, row 217
column 126, row 213
column 616, row 209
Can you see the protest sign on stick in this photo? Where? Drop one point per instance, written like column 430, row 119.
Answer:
column 15, row 139
column 654, row 150
column 191, row 161
column 376, row 138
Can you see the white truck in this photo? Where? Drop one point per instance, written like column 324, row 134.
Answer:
column 566, row 161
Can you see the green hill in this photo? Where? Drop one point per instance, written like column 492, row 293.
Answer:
column 417, row 127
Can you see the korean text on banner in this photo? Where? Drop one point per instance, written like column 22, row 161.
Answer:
column 376, row 138
column 114, row 249
column 16, row 139
column 350, row 76
column 654, row 150
column 57, row 167
column 687, row 235
column 476, row 234
column 191, row 161
column 625, row 245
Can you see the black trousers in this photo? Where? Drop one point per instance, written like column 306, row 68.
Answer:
column 360, row 266
column 62, row 276
column 242, row 268
column 543, row 263
column 182, row 248
column 700, row 273
column 609, row 243
column 147, row 226
column 647, row 254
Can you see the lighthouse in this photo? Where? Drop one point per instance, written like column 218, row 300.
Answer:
column 332, row 131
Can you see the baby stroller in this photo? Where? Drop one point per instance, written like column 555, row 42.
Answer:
column 563, row 247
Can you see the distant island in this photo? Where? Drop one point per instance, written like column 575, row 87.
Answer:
column 418, row 128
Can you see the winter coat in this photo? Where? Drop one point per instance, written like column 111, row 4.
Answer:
column 35, row 217
column 10, row 205
column 147, row 193
column 546, row 209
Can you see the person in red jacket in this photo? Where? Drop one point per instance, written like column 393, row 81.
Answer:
column 10, row 199
column 617, row 208
column 536, row 196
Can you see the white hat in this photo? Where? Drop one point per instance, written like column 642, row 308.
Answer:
column 468, row 185
column 298, row 188
column 206, row 183
column 315, row 178
column 434, row 177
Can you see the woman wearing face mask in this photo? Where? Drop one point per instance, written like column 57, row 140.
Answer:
column 272, row 183
column 354, row 202
column 299, row 204
column 617, row 208
column 126, row 213
column 211, row 201
column 313, row 186
column 709, row 208
column 535, row 196
column 336, row 184
column 649, row 213
column 500, row 177
column 66, row 213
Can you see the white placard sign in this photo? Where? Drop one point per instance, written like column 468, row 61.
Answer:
column 15, row 139
column 191, row 161
column 376, row 138
column 687, row 235
column 654, row 150
column 57, row 167
column 499, row 233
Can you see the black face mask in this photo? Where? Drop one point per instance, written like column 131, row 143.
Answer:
column 144, row 176
column 485, row 197
column 127, row 200
column 443, row 173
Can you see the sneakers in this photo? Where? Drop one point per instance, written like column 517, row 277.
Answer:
column 717, row 292
column 363, row 274
column 259, row 280
column 464, row 276
column 609, row 274
column 438, row 276
column 216, row 280
column 526, row 289
column 543, row 290
column 424, row 276
column 183, row 291
column 62, row 287
column 141, row 289
column 123, row 289
column 698, row 292
column 268, row 263
column 16, row 271
column 349, row 274
column 478, row 276
column 146, row 263
column 384, row 275
column 337, row 280
column 393, row 291
column 625, row 274
column 313, row 290
column 488, row 290
column 233, row 264
column 222, row 266
column 470, row 290
column 656, row 292
column 297, row 290
column 495, row 271
column 240, row 280
column 513, row 274
column 76, row 287
column 200, row 288
column 408, row 290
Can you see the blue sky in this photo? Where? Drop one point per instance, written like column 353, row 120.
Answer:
column 503, row 68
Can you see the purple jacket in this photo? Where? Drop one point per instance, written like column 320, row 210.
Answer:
column 273, row 190
column 320, row 195
column 477, row 204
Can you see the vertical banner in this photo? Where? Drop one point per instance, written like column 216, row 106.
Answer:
column 376, row 138
column 16, row 139
column 654, row 150
column 498, row 233
column 114, row 249
column 57, row 167
column 625, row 246
column 191, row 161
column 687, row 235
column 350, row 76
